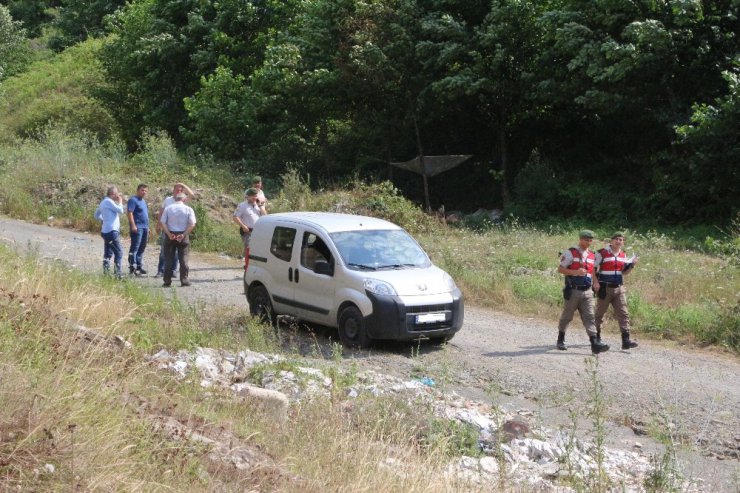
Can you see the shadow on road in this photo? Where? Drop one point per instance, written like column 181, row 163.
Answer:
column 317, row 340
column 530, row 350
column 236, row 270
column 205, row 281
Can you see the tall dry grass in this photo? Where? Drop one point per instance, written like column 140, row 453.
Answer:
column 81, row 414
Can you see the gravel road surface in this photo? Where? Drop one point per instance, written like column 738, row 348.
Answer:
column 508, row 360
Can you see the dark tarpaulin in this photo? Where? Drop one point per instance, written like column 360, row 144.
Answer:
column 433, row 165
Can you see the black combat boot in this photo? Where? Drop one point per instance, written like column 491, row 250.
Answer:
column 597, row 346
column 627, row 343
column 561, row 341
column 598, row 334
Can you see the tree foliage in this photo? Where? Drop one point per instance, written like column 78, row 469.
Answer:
column 15, row 53
column 701, row 180
column 32, row 14
column 80, row 19
column 608, row 109
column 59, row 90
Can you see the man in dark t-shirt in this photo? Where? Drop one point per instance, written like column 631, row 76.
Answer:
column 138, row 220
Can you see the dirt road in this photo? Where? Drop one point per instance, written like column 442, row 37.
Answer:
column 510, row 361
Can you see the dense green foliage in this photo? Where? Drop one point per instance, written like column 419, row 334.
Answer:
column 81, row 19
column 34, row 14
column 616, row 110
column 59, row 90
column 14, row 51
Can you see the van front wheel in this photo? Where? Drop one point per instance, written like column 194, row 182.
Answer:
column 260, row 306
column 352, row 331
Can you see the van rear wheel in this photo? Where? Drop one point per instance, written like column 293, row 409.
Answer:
column 352, row 331
column 260, row 306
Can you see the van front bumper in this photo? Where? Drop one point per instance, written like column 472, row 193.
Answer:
column 394, row 318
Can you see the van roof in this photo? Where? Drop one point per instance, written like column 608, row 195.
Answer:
column 331, row 222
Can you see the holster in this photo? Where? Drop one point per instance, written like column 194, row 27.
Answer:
column 566, row 292
column 602, row 291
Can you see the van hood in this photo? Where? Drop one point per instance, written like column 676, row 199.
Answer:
column 414, row 282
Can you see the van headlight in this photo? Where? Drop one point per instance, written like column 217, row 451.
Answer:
column 377, row 286
column 450, row 283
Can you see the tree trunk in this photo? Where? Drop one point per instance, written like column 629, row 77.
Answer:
column 423, row 166
column 504, row 153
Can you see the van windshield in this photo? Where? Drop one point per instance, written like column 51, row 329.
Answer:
column 379, row 249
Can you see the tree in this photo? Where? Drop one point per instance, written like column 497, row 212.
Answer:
column 79, row 19
column 618, row 76
column 15, row 53
column 34, row 14
column 497, row 68
column 701, row 177
column 161, row 49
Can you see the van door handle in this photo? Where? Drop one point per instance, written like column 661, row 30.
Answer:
column 290, row 274
column 296, row 274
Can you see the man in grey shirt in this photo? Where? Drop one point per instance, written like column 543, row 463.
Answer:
column 177, row 221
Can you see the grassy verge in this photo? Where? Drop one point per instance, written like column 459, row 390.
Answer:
column 79, row 415
column 684, row 288
column 675, row 294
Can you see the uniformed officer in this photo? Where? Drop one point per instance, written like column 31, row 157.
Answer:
column 612, row 265
column 577, row 265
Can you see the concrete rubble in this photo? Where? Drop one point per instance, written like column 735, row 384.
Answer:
column 510, row 445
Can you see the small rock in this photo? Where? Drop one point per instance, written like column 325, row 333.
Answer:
column 550, row 470
column 489, row 465
column 515, row 428
column 271, row 400
column 468, row 463
column 49, row 468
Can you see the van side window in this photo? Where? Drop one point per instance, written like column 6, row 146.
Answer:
column 282, row 243
column 313, row 249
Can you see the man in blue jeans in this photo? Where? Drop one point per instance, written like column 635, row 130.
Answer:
column 108, row 212
column 138, row 220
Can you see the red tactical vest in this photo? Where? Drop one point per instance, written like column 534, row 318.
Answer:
column 612, row 266
column 577, row 263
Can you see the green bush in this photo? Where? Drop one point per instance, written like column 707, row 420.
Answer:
column 455, row 437
column 59, row 90
column 15, row 53
column 381, row 200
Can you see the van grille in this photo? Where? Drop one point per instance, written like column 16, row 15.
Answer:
column 413, row 311
column 429, row 308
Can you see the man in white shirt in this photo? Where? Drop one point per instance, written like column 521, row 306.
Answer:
column 246, row 215
column 177, row 188
column 177, row 221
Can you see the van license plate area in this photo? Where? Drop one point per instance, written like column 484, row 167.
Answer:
column 430, row 318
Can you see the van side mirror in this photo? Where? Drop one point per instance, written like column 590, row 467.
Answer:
column 323, row 267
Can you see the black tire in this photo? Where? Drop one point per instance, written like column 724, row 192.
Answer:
column 260, row 306
column 352, row 331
